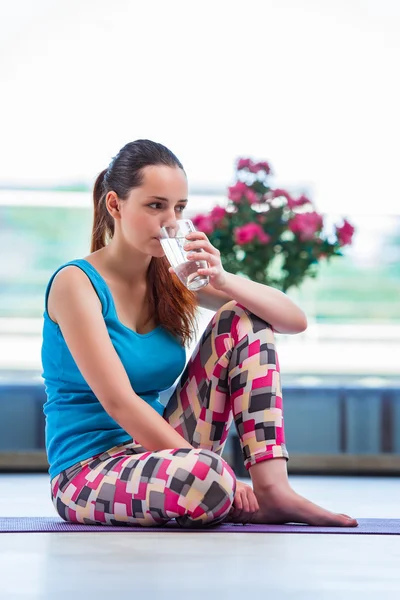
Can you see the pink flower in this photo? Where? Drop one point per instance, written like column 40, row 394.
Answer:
column 217, row 214
column 306, row 225
column 278, row 193
column 240, row 190
column 237, row 191
column 301, row 201
column 203, row 223
column 251, row 196
column 260, row 166
column 345, row 233
column 265, row 166
column 243, row 163
column 247, row 233
column 253, row 167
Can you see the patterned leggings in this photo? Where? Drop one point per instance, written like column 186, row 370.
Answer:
column 232, row 374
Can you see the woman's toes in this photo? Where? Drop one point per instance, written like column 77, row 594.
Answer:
column 349, row 521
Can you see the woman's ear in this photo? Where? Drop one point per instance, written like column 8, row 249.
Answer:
column 113, row 204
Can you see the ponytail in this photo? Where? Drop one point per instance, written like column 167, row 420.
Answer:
column 103, row 223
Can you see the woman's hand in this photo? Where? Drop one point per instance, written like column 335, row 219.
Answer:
column 197, row 240
column 245, row 504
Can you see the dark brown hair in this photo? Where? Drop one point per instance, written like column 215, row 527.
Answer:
column 171, row 303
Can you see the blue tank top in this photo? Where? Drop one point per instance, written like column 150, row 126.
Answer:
column 77, row 426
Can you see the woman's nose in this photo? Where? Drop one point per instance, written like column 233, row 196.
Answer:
column 169, row 219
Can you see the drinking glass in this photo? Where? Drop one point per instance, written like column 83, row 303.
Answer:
column 172, row 240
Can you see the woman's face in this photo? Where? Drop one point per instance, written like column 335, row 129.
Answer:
column 159, row 201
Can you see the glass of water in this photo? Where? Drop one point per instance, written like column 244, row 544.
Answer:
column 172, row 240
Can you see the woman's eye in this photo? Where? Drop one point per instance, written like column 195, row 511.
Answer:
column 158, row 205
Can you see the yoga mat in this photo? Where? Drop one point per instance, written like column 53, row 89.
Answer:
column 57, row 525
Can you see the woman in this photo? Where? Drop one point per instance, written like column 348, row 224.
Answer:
column 115, row 327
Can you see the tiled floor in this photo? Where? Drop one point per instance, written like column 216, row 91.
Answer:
column 186, row 566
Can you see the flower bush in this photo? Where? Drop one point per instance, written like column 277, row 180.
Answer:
column 268, row 235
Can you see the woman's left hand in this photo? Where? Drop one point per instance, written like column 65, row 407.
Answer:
column 197, row 240
column 245, row 504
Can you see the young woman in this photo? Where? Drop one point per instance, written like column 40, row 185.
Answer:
column 116, row 324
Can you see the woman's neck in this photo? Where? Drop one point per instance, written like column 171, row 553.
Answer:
column 125, row 263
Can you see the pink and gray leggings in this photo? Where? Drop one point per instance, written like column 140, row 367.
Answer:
column 232, row 374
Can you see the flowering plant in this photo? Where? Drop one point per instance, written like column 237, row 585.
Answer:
column 266, row 234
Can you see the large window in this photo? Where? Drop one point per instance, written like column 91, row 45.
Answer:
column 40, row 231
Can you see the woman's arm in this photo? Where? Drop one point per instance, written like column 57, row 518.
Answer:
column 266, row 302
column 74, row 305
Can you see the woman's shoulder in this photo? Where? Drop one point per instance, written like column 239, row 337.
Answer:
column 72, row 282
column 76, row 270
column 71, row 272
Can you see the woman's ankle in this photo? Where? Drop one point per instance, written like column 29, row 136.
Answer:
column 268, row 473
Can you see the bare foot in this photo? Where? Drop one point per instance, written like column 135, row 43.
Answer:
column 281, row 504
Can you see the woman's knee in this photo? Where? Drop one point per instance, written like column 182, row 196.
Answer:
column 242, row 328
column 233, row 313
column 213, row 485
column 217, row 480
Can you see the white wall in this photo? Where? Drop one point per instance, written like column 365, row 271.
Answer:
column 311, row 85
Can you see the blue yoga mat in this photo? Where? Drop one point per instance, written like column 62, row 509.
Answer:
column 57, row 525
